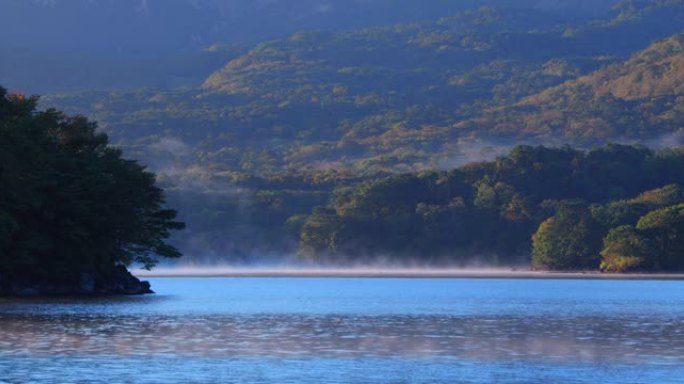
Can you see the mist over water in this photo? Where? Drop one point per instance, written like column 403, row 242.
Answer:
column 303, row 270
column 284, row 269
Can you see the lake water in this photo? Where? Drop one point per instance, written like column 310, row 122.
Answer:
column 347, row 330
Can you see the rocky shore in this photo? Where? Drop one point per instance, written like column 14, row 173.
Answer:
column 119, row 282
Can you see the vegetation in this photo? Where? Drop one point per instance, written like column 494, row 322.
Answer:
column 324, row 142
column 567, row 240
column 157, row 50
column 640, row 97
column 412, row 96
column 624, row 249
column 571, row 203
column 69, row 203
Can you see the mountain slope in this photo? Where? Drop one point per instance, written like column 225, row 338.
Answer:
column 273, row 133
column 114, row 39
column 399, row 98
column 153, row 27
column 658, row 71
column 638, row 99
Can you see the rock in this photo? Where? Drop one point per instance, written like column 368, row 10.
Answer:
column 118, row 282
column 127, row 284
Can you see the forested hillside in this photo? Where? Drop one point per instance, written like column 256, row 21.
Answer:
column 249, row 152
column 406, row 97
column 58, row 45
column 486, row 213
column 636, row 99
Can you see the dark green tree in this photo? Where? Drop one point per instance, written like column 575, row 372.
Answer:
column 69, row 203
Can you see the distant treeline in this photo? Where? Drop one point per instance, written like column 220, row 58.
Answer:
column 617, row 208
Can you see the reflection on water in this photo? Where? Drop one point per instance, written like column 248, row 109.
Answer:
column 353, row 330
column 322, row 371
column 590, row 339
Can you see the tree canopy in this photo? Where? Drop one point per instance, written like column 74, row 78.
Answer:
column 616, row 207
column 69, row 202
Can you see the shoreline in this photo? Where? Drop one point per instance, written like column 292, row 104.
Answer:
column 396, row 273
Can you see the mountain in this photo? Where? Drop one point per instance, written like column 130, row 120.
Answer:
column 283, row 126
column 380, row 100
column 657, row 71
column 66, row 45
column 153, row 27
column 638, row 99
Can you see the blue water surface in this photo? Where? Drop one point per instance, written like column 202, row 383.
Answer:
column 352, row 330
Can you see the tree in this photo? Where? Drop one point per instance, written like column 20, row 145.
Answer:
column 69, row 203
column 625, row 248
column 320, row 233
column 665, row 228
column 568, row 240
column 623, row 212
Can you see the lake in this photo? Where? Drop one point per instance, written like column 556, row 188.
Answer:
column 352, row 330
